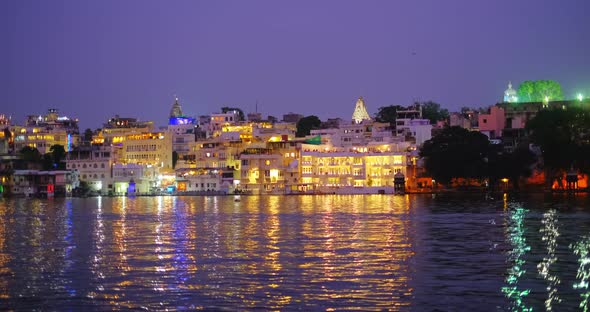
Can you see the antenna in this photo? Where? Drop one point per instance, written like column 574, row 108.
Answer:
column 256, row 106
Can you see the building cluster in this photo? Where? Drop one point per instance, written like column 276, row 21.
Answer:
column 217, row 154
column 225, row 153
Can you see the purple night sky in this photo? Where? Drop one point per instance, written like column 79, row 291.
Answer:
column 92, row 60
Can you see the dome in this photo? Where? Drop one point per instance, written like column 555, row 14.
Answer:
column 510, row 94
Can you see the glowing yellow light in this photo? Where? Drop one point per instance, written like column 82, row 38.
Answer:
column 505, row 180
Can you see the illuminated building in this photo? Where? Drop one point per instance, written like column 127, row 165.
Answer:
column 360, row 113
column 117, row 128
column 134, row 178
column 262, row 171
column 154, row 148
column 220, row 120
column 196, row 181
column 510, row 94
column 42, row 132
column 93, row 165
column 181, row 128
column 368, row 169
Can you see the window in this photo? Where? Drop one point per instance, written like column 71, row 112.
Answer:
column 485, row 120
column 102, row 166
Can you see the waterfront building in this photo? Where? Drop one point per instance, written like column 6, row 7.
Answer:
column 94, row 166
column 262, row 171
column 129, row 179
column 44, row 183
column 42, row 132
column 204, row 181
column 360, row 113
column 368, row 169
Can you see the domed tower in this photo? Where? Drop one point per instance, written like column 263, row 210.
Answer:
column 510, row 94
column 176, row 111
column 360, row 111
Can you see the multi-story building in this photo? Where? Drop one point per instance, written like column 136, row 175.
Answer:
column 182, row 130
column 94, row 166
column 368, row 169
column 154, row 149
column 135, row 179
column 42, row 132
column 116, row 129
column 262, row 171
column 44, row 183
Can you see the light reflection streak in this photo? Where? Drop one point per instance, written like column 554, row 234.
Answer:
column 550, row 232
column 5, row 257
column 582, row 250
column 516, row 231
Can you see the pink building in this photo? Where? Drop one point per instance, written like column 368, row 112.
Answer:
column 492, row 124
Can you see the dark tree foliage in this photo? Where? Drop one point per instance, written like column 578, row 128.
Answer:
column 433, row 111
column 564, row 138
column 58, row 155
column 226, row 109
column 388, row 113
column 306, row 124
column 30, row 154
column 88, row 136
column 510, row 165
column 456, row 153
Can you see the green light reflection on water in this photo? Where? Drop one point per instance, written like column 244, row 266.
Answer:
column 582, row 249
column 515, row 231
column 550, row 232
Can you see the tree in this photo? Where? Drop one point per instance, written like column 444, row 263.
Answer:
column 456, row 153
column 564, row 138
column 432, row 111
column 174, row 159
column 57, row 153
column 226, row 109
column 30, row 154
column 539, row 90
column 88, row 136
column 306, row 124
column 388, row 113
column 510, row 165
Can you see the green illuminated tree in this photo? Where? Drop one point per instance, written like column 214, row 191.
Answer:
column 306, row 124
column 536, row 91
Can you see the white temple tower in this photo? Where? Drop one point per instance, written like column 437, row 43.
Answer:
column 360, row 111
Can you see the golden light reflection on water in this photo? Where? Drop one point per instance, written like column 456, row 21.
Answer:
column 259, row 252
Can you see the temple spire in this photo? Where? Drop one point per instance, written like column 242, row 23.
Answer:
column 360, row 111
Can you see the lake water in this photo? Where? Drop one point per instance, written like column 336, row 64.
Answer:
column 357, row 252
